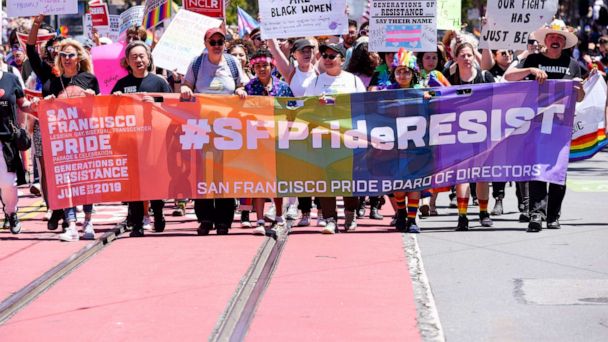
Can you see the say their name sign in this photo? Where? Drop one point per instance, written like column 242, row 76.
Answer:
column 510, row 22
column 210, row 8
column 299, row 18
column 409, row 24
column 28, row 8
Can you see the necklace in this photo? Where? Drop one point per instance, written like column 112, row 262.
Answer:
column 63, row 86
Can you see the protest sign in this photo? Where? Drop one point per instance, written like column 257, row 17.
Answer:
column 100, row 16
column 112, row 148
column 28, row 8
column 289, row 18
column 155, row 12
column 111, row 31
column 448, row 15
column 589, row 129
column 106, row 60
column 41, row 39
column 210, row 8
column 130, row 17
column 409, row 24
column 183, row 40
column 509, row 23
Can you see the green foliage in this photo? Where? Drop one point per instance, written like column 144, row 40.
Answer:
column 250, row 6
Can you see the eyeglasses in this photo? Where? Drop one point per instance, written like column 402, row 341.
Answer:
column 216, row 42
column 506, row 53
column 328, row 56
column 531, row 41
column 52, row 49
column 68, row 55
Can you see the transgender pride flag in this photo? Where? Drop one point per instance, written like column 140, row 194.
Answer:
column 246, row 22
column 403, row 36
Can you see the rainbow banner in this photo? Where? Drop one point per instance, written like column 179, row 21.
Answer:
column 117, row 148
column 156, row 11
column 589, row 130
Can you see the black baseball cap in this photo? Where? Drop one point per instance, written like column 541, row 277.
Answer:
column 301, row 44
column 336, row 47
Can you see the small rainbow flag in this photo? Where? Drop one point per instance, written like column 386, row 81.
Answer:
column 156, row 11
column 588, row 145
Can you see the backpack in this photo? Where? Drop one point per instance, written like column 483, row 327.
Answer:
column 234, row 70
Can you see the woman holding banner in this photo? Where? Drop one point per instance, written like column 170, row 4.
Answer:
column 141, row 79
column 466, row 71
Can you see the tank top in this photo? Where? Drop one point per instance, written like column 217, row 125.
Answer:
column 300, row 81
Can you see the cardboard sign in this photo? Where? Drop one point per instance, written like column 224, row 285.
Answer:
column 132, row 16
column 448, row 14
column 210, row 8
column 106, row 63
column 289, row 18
column 183, row 40
column 29, row 8
column 509, row 23
column 111, row 31
column 409, row 24
column 100, row 15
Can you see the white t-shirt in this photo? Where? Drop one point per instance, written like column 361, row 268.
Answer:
column 344, row 83
column 301, row 80
column 214, row 79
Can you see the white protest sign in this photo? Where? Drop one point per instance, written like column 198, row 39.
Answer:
column 103, row 31
column 299, row 18
column 183, row 40
column 448, row 14
column 409, row 24
column 510, row 22
column 130, row 17
column 28, row 8
column 589, row 116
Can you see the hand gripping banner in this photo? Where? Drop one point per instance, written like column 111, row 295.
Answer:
column 118, row 148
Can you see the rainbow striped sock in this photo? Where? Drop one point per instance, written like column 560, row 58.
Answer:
column 463, row 205
column 412, row 209
column 483, row 205
column 400, row 200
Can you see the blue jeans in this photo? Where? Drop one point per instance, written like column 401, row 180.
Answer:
column 70, row 213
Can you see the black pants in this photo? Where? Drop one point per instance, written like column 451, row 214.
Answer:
column 498, row 190
column 217, row 211
column 546, row 203
column 136, row 211
column 523, row 196
column 305, row 204
column 374, row 202
column 330, row 208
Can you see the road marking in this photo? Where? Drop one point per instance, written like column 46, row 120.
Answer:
column 26, row 215
column 583, row 185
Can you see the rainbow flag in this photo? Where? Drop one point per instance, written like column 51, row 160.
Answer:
column 588, row 145
column 156, row 11
column 246, row 22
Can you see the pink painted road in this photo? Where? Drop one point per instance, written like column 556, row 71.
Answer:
column 176, row 285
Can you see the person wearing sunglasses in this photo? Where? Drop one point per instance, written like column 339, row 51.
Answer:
column 335, row 81
column 256, row 39
column 214, row 72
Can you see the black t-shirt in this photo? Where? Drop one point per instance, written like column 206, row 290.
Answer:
column 150, row 84
column 497, row 71
column 10, row 90
column 56, row 85
column 563, row 68
column 481, row 77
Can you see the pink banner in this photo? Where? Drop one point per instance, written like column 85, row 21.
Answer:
column 106, row 63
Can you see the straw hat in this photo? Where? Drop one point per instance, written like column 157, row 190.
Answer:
column 559, row 27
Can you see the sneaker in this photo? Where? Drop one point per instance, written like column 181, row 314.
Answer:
column 498, row 210
column 180, row 210
column 260, row 223
column 222, row 228
column 375, row 215
column 412, row 227
column 550, row 225
column 536, row 224
column 147, row 224
column 321, row 222
column 280, row 221
column 89, row 232
column 401, row 220
column 14, row 224
column 271, row 214
column 159, row 223
column 137, row 232
column 70, row 235
column 292, row 212
column 245, row 223
column 35, row 191
column 463, row 223
column 330, row 227
column 524, row 217
column 6, row 224
column 204, row 228
column 48, row 215
column 425, row 210
column 305, row 220
column 485, row 220
column 350, row 223
column 259, row 230
column 361, row 211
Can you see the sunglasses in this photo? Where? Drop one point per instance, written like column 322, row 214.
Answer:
column 531, row 41
column 603, row 41
column 216, row 42
column 257, row 38
column 68, row 55
column 328, row 56
column 506, row 53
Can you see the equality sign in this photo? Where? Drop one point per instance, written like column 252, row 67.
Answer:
column 509, row 22
column 448, row 14
column 210, row 8
column 409, row 24
column 298, row 18
column 112, row 148
column 589, row 129
column 183, row 40
column 28, row 8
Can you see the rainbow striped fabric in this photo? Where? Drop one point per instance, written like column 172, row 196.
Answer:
column 588, row 145
column 156, row 11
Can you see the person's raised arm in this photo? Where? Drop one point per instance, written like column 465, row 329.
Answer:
column 487, row 59
column 282, row 62
column 42, row 70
